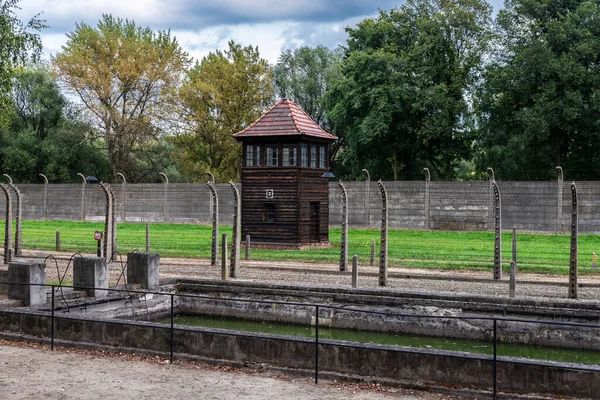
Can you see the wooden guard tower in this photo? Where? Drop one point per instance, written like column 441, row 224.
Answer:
column 285, row 199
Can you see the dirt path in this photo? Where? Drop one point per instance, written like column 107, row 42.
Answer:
column 31, row 372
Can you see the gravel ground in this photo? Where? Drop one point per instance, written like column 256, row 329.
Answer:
column 421, row 280
column 29, row 371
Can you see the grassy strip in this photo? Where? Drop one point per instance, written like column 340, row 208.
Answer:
column 423, row 249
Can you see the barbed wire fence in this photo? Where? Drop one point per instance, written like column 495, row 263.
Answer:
column 417, row 213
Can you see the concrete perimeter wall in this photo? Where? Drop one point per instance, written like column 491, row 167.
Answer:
column 414, row 367
column 530, row 206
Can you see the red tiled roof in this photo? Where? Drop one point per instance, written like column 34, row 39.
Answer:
column 285, row 118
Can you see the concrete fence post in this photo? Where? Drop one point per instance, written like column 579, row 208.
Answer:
column 224, row 257
column 354, row 271
column 574, row 244
column 165, row 179
column 45, row 193
column 247, row 247
column 491, row 178
column 57, row 240
column 82, row 191
column 559, row 201
column 18, row 248
column 7, row 225
column 344, row 239
column 512, row 286
column 383, row 246
column 234, row 264
column 147, row 238
column 514, row 244
column 426, row 200
column 108, row 223
column 497, row 233
column 367, row 209
column 214, row 256
column 372, row 260
column 123, row 197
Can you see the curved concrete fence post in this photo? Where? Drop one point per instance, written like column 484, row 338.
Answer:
column 108, row 223
column 82, row 195
column 491, row 178
column 165, row 179
column 344, row 239
column 559, row 202
column 367, row 209
column 214, row 255
column 574, row 244
column 426, row 202
column 383, row 246
column 45, row 195
column 123, row 196
column 236, row 237
column 7, row 225
column 18, row 249
column 497, row 233
column 18, row 221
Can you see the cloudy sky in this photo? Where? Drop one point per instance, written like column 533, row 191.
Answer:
column 202, row 26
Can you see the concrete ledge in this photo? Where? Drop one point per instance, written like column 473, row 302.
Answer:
column 419, row 368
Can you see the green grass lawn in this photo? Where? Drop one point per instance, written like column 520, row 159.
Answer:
column 421, row 249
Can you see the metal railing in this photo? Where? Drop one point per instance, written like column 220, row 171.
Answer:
column 127, row 293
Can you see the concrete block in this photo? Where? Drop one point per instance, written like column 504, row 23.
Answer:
column 143, row 269
column 24, row 271
column 91, row 272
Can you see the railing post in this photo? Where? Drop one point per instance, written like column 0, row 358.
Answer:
column 172, row 328
column 383, row 246
column 497, row 233
column 52, row 322
column 237, row 231
column 344, row 239
column 316, row 345
column 426, row 201
column 495, row 357
column 574, row 244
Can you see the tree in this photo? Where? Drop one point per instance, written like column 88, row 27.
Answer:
column 45, row 134
column 402, row 103
column 18, row 41
column 125, row 76
column 304, row 74
column 220, row 96
column 539, row 106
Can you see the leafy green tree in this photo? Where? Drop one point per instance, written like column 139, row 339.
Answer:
column 125, row 76
column 45, row 134
column 539, row 106
column 220, row 96
column 402, row 103
column 18, row 41
column 304, row 74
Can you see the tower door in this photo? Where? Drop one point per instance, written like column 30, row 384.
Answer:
column 315, row 222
